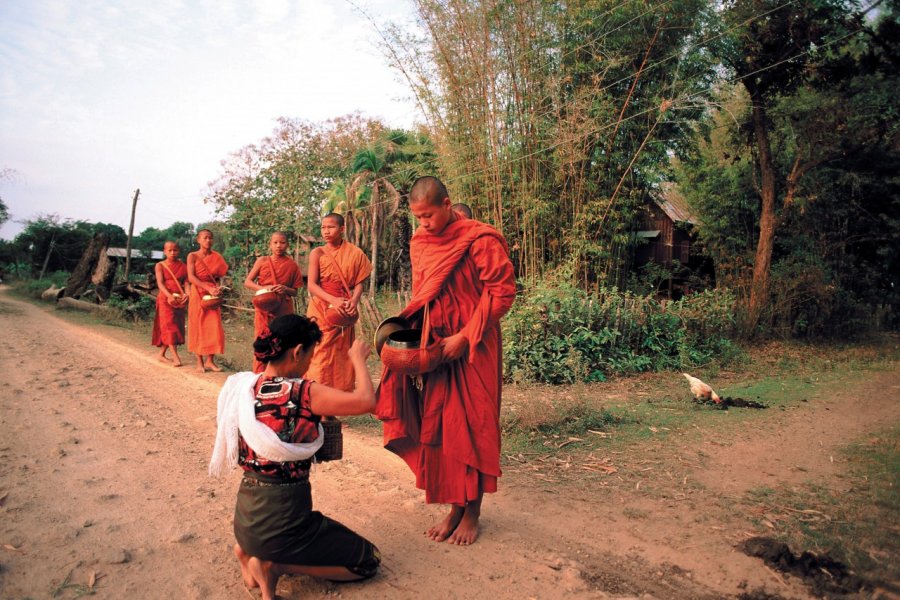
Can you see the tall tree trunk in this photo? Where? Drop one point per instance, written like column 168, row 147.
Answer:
column 759, row 289
column 375, row 210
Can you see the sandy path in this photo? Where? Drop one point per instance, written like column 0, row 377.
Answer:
column 104, row 455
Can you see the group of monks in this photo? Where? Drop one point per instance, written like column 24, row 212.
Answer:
column 445, row 425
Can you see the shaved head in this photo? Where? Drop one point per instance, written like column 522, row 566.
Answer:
column 339, row 219
column 428, row 189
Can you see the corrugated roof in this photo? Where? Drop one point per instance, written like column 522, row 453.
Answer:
column 674, row 205
column 135, row 253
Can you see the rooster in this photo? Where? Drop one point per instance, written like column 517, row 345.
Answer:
column 701, row 390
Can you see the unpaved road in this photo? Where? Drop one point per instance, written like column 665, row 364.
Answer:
column 103, row 455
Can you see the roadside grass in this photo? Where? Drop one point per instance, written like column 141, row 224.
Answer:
column 857, row 525
column 561, row 421
column 545, row 421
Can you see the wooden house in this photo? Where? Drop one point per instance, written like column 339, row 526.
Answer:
column 664, row 237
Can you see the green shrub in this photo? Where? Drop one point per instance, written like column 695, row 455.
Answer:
column 141, row 309
column 558, row 333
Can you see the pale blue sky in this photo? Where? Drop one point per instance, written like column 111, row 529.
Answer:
column 98, row 98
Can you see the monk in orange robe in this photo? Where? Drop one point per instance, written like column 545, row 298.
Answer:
column 168, row 324
column 449, row 432
column 337, row 272
column 279, row 274
column 206, row 336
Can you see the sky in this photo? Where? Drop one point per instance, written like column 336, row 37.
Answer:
column 100, row 98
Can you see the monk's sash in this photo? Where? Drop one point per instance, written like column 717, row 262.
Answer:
column 452, row 246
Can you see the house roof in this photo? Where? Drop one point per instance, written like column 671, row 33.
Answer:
column 135, row 253
column 673, row 203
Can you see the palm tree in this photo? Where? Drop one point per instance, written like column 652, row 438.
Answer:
column 372, row 168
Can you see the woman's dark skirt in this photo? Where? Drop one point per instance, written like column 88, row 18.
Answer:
column 276, row 522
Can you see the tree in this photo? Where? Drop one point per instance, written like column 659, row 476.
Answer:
column 833, row 143
column 773, row 47
column 554, row 119
column 280, row 183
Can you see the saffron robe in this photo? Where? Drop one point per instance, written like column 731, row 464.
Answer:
column 168, row 323
column 449, row 433
column 330, row 364
column 286, row 273
column 205, row 332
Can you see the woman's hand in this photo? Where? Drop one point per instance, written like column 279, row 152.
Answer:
column 359, row 351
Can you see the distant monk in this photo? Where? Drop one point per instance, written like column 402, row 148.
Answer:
column 463, row 209
column 206, row 337
column 449, row 433
column 168, row 324
column 279, row 274
column 337, row 272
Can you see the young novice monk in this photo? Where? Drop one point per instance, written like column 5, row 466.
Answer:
column 168, row 324
column 269, row 425
column 450, row 434
column 206, row 336
column 337, row 272
column 280, row 275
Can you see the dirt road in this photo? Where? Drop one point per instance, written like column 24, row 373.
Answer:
column 103, row 477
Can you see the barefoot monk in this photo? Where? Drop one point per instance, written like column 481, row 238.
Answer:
column 337, row 272
column 449, row 433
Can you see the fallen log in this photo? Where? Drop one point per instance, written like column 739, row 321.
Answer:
column 81, row 305
column 52, row 293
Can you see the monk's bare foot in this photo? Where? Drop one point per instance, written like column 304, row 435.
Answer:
column 467, row 531
column 177, row 362
column 163, row 358
column 211, row 366
column 244, row 558
column 442, row 530
column 200, row 367
column 264, row 573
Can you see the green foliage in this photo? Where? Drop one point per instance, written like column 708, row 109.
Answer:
column 34, row 287
column 833, row 131
column 140, row 309
column 558, row 333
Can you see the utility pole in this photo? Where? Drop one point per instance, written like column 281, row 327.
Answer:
column 47, row 258
column 137, row 193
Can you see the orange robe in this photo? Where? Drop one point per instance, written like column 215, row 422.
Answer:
column 449, row 433
column 205, row 332
column 168, row 324
column 330, row 364
column 286, row 272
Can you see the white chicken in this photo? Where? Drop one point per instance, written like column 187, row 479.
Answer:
column 702, row 391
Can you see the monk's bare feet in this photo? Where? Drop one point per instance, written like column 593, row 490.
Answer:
column 163, row 358
column 200, row 367
column 264, row 573
column 211, row 366
column 442, row 530
column 244, row 558
column 177, row 362
column 467, row 531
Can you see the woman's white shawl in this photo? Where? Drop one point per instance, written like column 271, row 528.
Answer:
column 236, row 415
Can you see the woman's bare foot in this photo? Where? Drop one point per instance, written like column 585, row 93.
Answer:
column 244, row 558
column 266, row 575
column 442, row 530
column 466, row 531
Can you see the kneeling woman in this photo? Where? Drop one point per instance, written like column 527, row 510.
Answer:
column 269, row 425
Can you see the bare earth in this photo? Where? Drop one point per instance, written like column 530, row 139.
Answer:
column 103, row 455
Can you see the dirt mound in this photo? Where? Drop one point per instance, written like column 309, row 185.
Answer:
column 826, row 576
column 728, row 401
